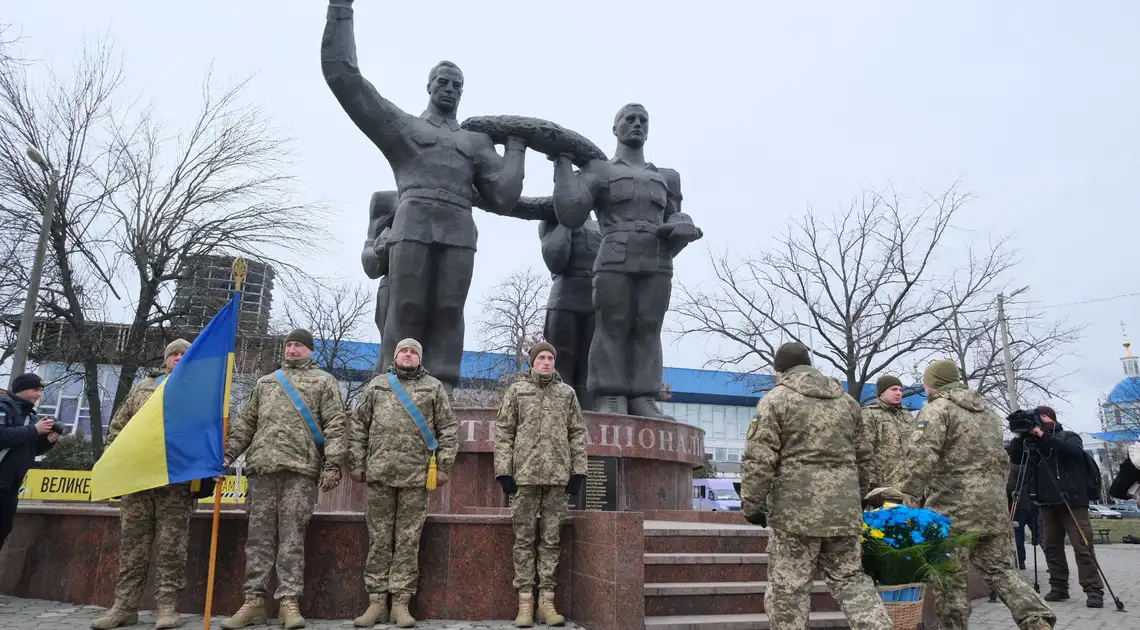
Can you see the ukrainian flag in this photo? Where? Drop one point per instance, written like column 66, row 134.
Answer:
column 177, row 435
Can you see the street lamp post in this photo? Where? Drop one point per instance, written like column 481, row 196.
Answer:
column 1003, row 330
column 24, row 337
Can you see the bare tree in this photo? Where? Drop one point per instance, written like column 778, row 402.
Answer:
column 221, row 187
column 64, row 118
column 1038, row 349
column 512, row 315
column 861, row 288
column 335, row 314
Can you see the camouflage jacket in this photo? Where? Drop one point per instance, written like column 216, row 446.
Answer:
column 540, row 438
column 957, row 458
column 134, row 401
column 889, row 427
column 807, row 458
column 272, row 433
column 386, row 442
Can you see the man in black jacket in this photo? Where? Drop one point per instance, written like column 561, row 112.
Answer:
column 1058, row 476
column 22, row 438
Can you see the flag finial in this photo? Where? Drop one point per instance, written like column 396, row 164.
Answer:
column 239, row 268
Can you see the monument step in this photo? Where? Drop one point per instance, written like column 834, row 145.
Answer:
column 705, row 567
column 680, row 537
column 757, row 621
column 720, row 598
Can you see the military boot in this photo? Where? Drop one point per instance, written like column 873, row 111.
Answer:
column 377, row 611
column 612, row 404
column 1056, row 595
column 645, row 406
column 526, row 610
column 547, row 613
column 251, row 612
column 167, row 613
column 119, row 615
column 290, row 614
column 400, row 614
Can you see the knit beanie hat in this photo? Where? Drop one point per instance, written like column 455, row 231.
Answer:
column 409, row 343
column 539, row 347
column 886, row 382
column 26, row 381
column 941, row 373
column 178, row 346
column 790, row 355
column 302, row 337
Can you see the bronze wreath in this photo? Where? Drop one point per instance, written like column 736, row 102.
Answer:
column 540, row 135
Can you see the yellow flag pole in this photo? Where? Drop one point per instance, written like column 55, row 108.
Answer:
column 239, row 271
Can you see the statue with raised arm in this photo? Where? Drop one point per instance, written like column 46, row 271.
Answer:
column 569, row 255
column 374, row 257
column 438, row 167
column 638, row 206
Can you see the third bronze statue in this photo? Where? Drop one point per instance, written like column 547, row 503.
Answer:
column 638, row 206
column 570, row 255
column 438, row 167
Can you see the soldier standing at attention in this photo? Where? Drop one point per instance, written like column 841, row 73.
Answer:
column 540, row 457
column 158, row 517
column 292, row 433
column 956, row 457
column 889, row 426
column 806, row 466
column 403, row 428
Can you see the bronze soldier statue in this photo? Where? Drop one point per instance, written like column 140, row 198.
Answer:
column 431, row 246
column 374, row 257
column 639, row 208
column 570, row 255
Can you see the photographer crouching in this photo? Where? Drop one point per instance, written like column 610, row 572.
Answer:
column 1054, row 477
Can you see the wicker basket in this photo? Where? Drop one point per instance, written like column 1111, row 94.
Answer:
column 904, row 604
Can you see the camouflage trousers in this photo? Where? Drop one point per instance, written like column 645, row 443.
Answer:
column 792, row 563
column 993, row 557
column 395, row 519
column 158, row 518
column 280, row 505
column 547, row 505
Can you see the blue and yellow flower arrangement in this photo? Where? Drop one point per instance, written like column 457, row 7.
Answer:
column 905, row 545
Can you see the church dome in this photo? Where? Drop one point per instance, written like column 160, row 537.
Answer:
column 1126, row 391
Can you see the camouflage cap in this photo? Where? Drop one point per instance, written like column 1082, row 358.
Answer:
column 178, row 346
column 941, row 373
column 409, row 343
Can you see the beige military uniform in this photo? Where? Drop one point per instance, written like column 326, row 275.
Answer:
column 889, row 427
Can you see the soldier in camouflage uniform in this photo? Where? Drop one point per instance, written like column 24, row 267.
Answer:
column 889, row 426
column 158, row 517
column 540, row 457
column 957, row 454
column 388, row 451
column 284, row 464
column 806, row 463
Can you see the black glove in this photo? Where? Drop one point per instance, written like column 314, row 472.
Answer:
column 574, row 486
column 757, row 518
column 508, row 484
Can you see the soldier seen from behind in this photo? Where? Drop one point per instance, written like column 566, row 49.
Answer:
column 158, row 517
column 540, row 457
column 292, row 433
column 889, row 427
column 23, row 436
column 956, row 458
column 806, row 467
column 403, row 443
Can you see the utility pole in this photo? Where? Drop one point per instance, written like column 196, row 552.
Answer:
column 1003, row 330
column 27, row 320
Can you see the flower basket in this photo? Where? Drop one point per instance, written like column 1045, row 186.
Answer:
column 904, row 549
column 904, row 604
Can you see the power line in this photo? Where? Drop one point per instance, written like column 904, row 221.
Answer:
column 1094, row 300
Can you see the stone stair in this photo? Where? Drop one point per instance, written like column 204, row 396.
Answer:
column 706, row 576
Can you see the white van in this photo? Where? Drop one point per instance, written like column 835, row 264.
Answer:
column 715, row 495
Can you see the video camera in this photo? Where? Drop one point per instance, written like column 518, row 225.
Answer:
column 1022, row 421
column 60, row 429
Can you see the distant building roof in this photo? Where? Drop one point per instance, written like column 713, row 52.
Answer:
column 1117, row 436
column 684, row 384
column 1126, row 391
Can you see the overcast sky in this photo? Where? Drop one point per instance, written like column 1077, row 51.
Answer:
column 763, row 107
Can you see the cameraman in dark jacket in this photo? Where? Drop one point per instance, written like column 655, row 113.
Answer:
column 1057, row 476
column 22, row 438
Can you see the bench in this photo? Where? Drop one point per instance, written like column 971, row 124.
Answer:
column 1101, row 536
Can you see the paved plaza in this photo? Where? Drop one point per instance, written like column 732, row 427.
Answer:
column 1120, row 562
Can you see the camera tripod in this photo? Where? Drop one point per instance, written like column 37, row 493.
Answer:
column 1027, row 452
